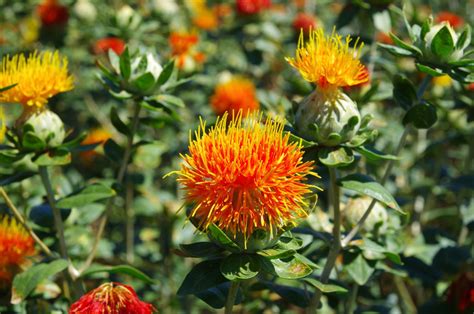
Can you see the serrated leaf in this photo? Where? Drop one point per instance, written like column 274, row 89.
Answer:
column 119, row 269
column 85, row 196
column 339, row 157
column 325, row 288
column 365, row 185
column 25, row 282
column 203, row 276
column 240, row 266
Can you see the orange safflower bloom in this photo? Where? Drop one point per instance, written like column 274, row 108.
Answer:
column 52, row 13
column 249, row 7
column 206, row 19
column 234, row 95
column 244, row 175
column 183, row 47
column 16, row 245
column 39, row 77
column 453, row 19
column 328, row 62
column 103, row 45
column 111, row 298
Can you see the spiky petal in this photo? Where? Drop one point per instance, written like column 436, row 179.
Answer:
column 244, row 175
column 328, row 61
column 111, row 298
column 234, row 95
column 39, row 77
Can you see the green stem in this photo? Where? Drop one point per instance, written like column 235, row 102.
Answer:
column 352, row 302
column 231, row 296
column 336, row 244
column 120, row 176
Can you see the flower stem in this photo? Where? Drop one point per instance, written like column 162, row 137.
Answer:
column 231, row 296
column 330, row 262
column 120, row 176
column 20, row 218
column 336, row 244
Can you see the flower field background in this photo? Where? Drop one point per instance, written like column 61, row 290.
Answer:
column 240, row 156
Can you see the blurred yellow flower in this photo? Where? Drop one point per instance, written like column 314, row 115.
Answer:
column 39, row 77
column 442, row 81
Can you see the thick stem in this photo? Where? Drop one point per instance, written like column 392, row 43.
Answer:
column 20, row 218
column 336, row 244
column 231, row 296
column 120, row 177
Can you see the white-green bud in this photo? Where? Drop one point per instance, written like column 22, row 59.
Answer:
column 355, row 209
column 328, row 118
column 85, row 10
column 128, row 18
column 441, row 43
column 47, row 126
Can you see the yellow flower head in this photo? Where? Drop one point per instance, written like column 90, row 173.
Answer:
column 244, row 175
column 39, row 77
column 328, row 61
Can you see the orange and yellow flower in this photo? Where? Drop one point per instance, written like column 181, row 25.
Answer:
column 111, row 298
column 243, row 175
column 16, row 245
column 183, row 48
column 234, row 95
column 454, row 20
column 39, row 77
column 96, row 136
column 328, row 61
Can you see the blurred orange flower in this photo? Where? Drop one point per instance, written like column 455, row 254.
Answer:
column 16, row 245
column 453, row 19
column 305, row 22
column 111, row 298
column 103, row 45
column 248, row 7
column 244, row 175
column 183, row 48
column 234, row 95
column 96, row 136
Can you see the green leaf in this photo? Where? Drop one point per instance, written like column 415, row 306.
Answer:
column 422, row 115
column 166, row 73
column 113, row 151
column 404, row 92
column 118, row 123
column 325, row 288
column 203, row 276
column 400, row 43
column 240, row 266
column 200, row 249
column 442, row 44
column 359, row 270
column 367, row 186
column 397, row 51
column 2, row 89
column 57, row 157
column 304, row 143
column 166, row 99
column 6, row 159
column 219, row 237
column 293, row 267
column 374, row 155
column 144, row 82
column 85, row 196
column 338, row 157
column 216, row 296
column 429, row 70
column 32, row 142
column 25, row 282
column 125, row 65
column 119, row 269
column 464, row 39
column 15, row 177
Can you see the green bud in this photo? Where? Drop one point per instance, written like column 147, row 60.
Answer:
column 440, row 44
column 377, row 218
column 47, row 126
column 328, row 118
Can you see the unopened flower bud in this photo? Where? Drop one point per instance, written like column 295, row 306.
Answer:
column 47, row 126
column 441, row 43
column 355, row 209
column 328, row 118
column 85, row 10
